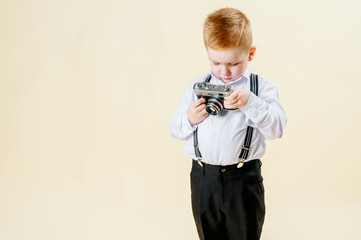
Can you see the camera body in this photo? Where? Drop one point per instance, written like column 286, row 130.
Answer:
column 214, row 95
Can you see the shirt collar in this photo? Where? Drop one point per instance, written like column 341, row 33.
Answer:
column 246, row 75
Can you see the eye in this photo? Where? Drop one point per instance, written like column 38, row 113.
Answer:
column 215, row 63
column 234, row 64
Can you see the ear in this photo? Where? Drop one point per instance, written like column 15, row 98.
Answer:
column 252, row 51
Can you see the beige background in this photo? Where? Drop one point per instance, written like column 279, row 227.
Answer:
column 87, row 88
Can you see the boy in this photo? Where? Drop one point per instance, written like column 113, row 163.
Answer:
column 226, row 181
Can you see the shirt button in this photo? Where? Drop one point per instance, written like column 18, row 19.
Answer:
column 223, row 170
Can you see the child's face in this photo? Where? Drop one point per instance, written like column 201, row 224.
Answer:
column 228, row 65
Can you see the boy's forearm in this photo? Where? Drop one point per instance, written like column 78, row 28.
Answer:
column 180, row 126
column 268, row 117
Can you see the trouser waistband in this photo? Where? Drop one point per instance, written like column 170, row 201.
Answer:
column 249, row 165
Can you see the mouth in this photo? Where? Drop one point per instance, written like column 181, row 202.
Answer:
column 226, row 79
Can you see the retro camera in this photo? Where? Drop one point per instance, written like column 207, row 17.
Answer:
column 214, row 95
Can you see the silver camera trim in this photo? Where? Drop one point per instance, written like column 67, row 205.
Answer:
column 212, row 92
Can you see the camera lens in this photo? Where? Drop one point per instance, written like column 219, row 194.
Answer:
column 214, row 106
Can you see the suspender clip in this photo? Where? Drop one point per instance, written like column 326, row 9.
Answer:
column 246, row 148
column 240, row 164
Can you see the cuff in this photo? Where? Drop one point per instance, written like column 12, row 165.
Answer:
column 253, row 106
column 188, row 125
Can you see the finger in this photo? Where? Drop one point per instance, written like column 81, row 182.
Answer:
column 201, row 107
column 204, row 112
column 231, row 96
column 228, row 106
column 231, row 102
column 199, row 102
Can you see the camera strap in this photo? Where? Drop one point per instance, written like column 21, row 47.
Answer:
column 248, row 139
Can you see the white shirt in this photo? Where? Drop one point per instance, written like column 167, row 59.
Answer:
column 220, row 137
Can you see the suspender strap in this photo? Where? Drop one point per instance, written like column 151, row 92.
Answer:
column 195, row 132
column 248, row 139
column 195, row 141
column 208, row 78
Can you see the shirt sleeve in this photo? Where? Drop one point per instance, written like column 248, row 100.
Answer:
column 265, row 112
column 179, row 124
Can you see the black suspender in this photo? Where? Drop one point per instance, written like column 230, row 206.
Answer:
column 196, row 148
column 208, row 78
column 195, row 133
column 248, row 139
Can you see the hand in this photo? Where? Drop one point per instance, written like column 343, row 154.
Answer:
column 197, row 111
column 237, row 98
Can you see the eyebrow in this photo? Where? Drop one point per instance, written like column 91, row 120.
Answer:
column 226, row 63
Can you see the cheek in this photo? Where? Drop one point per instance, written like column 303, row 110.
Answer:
column 239, row 70
column 215, row 69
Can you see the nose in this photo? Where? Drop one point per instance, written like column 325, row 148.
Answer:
column 225, row 71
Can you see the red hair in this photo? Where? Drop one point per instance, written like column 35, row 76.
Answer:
column 227, row 28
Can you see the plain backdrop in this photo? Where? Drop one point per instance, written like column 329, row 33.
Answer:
column 87, row 89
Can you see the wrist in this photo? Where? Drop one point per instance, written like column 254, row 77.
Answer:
column 190, row 122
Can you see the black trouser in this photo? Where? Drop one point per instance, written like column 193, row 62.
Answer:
column 228, row 202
